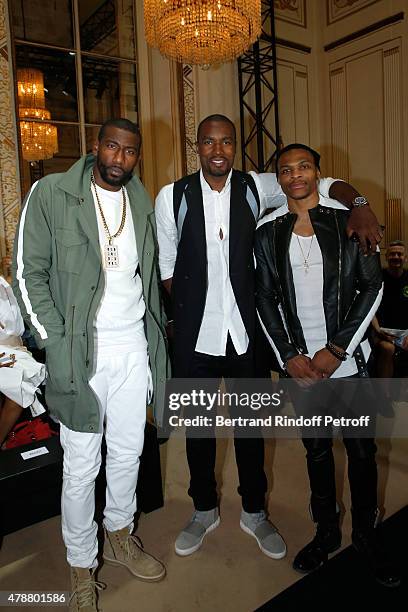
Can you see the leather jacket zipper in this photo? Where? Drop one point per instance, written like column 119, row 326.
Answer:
column 339, row 274
column 285, row 314
column 283, row 306
column 72, row 344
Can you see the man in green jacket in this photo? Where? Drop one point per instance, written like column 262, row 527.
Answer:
column 85, row 269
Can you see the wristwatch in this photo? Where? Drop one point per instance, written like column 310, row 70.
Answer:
column 360, row 201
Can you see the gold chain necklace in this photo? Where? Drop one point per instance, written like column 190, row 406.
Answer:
column 111, row 251
column 305, row 258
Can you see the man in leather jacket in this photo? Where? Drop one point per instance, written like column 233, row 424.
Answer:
column 316, row 294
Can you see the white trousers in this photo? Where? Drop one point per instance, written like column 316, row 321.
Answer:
column 120, row 383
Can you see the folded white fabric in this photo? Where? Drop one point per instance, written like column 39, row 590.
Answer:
column 21, row 381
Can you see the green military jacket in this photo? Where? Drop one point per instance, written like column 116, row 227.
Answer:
column 59, row 282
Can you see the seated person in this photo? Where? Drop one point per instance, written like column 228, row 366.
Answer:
column 20, row 374
column 393, row 311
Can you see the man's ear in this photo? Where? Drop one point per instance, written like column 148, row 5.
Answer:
column 95, row 147
column 318, row 175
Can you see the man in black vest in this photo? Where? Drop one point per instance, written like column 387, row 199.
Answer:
column 205, row 228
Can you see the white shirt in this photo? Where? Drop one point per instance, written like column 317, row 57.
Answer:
column 118, row 323
column 20, row 382
column 11, row 322
column 221, row 312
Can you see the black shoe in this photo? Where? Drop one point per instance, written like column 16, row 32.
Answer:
column 314, row 554
column 368, row 546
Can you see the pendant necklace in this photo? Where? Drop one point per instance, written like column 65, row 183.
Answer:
column 111, row 251
column 306, row 265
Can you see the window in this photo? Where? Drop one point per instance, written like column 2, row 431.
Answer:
column 85, row 54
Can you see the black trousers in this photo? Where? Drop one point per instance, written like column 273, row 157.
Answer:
column 249, row 452
column 362, row 467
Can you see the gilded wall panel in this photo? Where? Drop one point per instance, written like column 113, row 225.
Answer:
column 393, row 144
column 338, row 88
column 294, row 116
column 9, row 172
column 338, row 9
column 291, row 11
column 189, row 119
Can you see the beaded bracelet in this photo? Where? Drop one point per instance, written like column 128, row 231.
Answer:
column 342, row 355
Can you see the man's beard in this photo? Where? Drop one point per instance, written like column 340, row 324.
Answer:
column 112, row 181
column 219, row 172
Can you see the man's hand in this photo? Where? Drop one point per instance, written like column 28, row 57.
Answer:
column 363, row 225
column 325, row 363
column 7, row 362
column 300, row 367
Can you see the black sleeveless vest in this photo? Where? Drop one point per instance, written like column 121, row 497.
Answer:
column 189, row 286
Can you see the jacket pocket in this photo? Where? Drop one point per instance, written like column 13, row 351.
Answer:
column 59, row 366
column 72, row 248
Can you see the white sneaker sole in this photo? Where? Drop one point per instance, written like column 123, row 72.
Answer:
column 156, row 578
column 184, row 552
column 264, row 550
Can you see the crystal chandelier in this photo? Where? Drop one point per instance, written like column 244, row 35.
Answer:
column 39, row 139
column 202, row 31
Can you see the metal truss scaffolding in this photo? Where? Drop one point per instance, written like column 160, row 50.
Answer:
column 258, row 96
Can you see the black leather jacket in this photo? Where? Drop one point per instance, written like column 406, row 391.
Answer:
column 352, row 282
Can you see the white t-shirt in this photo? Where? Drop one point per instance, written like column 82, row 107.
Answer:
column 119, row 323
column 309, row 297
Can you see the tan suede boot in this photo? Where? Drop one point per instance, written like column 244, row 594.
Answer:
column 84, row 587
column 124, row 549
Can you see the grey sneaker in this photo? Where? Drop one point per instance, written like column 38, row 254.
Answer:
column 265, row 533
column 190, row 539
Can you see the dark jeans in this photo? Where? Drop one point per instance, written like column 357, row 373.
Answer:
column 362, row 468
column 249, row 452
